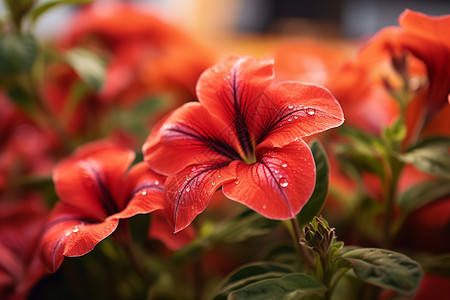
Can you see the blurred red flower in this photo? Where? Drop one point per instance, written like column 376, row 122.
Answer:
column 146, row 54
column 96, row 191
column 21, row 225
column 423, row 40
column 244, row 135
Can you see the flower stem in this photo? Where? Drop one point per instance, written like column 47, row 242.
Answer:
column 304, row 253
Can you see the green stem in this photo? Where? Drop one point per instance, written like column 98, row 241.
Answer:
column 125, row 241
column 304, row 253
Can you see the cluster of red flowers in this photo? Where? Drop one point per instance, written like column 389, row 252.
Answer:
column 247, row 135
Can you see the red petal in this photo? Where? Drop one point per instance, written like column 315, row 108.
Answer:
column 188, row 136
column 161, row 229
column 92, row 178
column 143, row 192
column 69, row 233
column 293, row 110
column 427, row 27
column 189, row 191
column 279, row 184
column 232, row 90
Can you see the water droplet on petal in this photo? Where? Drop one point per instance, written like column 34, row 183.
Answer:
column 264, row 206
column 310, row 111
column 143, row 193
column 283, row 182
column 296, row 117
column 276, row 171
column 68, row 233
column 227, row 78
column 156, row 182
column 76, row 229
column 213, row 183
column 284, row 165
column 188, row 189
column 290, row 106
column 290, row 120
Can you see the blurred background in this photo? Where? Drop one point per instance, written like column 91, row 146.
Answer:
column 208, row 19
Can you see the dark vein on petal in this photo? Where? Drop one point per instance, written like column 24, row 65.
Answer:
column 278, row 186
column 216, row 145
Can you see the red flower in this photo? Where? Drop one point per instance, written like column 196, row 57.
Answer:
column 96, row 191
column 143, row 50
column 423, row 39
column 21, row 224
column 244, row 135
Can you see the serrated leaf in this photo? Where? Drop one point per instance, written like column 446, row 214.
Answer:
column 385, row 268
column 422, row 194
column 250, row 274
column 88, row 66
column 39, row 10
column 317, row 200
column 431, row 156
column 288, row 287
column 17, row 53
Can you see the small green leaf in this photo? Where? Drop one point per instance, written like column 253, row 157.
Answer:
column 317, row 200
column 288, row 287
column 438, row 265
column 422, row 194
column 89, row 67
column 384, row 268
column 250, row 274
column 17, row 53
column 44, row 7
column 431, row 156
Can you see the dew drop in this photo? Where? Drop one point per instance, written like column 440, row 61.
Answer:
column 76, row 229
column 68, row 233
column 276, row 171
column 283, row 182
column 188, row 189
column 213, row 183
column 237, row 181
column 156, row 182
column 310, row 111
column 284, row 165
column 227, row 78
column 143, row 193
column 290, row 120
column 290, row 106
column 264, row 206
column 296, row 117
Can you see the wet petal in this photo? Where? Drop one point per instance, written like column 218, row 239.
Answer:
column 189, row 136
column 232, row 90
column 143, row 191
column 278, row 184
column 69, row 233
column 293, row 110
column 189, row 191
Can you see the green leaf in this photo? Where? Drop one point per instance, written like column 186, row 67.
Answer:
column 317, row 200
column 431, row 156
column 88, row 65
column 422, row 194
column 17, row 53
column 242, row 227
column 384, row 268
column 250, row 274
column 288, row 287
column 438, row 265
column 21, row 98
column 44, row 7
